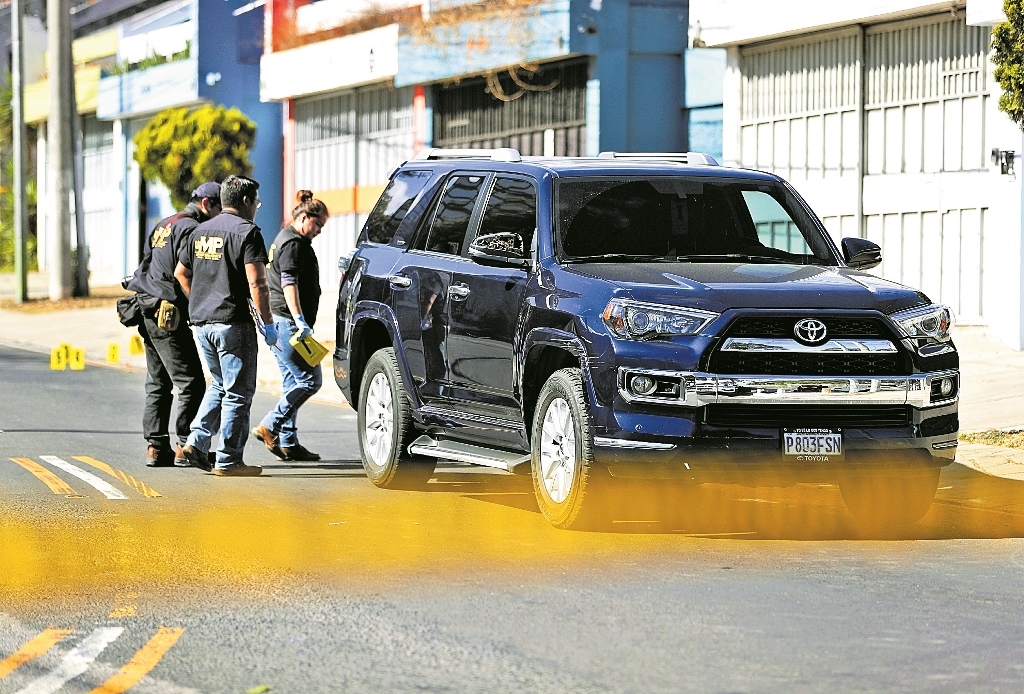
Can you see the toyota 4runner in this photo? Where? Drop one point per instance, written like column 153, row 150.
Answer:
column 654, row 316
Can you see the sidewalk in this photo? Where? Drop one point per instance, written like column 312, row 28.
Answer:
column 92, row 329
column 990, row 397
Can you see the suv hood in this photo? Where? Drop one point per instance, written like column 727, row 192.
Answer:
column 721, row 286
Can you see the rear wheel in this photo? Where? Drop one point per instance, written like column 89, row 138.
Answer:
column 565, row 478
column 888, row 501
column 385, row 427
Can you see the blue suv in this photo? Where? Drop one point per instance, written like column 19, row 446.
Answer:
column 636, row 315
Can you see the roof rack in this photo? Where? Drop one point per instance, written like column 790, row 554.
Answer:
column 502, row 154
column 691, row 158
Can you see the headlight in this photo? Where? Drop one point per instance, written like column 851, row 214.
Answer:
column 934, row 321
column 635, row 320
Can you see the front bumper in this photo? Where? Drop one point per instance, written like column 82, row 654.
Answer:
column 669, row 439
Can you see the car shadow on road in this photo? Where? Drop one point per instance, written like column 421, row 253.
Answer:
column 968, row 505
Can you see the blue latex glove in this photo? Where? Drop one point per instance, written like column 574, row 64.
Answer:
column 304, row 329
column 271, row 335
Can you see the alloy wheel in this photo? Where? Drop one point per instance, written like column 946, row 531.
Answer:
column 380, row 420
column 558, row 451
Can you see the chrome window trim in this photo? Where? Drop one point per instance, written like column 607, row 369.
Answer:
column 700, row 389
column 776, row 345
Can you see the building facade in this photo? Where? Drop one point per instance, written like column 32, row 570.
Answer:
column 132, row 61
column 365, row 85
column 884, row 116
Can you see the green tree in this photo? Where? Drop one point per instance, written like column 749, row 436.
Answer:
column 183, row 148
column 1008, row 55
column 7, row 190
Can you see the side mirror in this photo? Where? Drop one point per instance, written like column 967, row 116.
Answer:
column 503, row 250
column 861, row 253
column 343, row 264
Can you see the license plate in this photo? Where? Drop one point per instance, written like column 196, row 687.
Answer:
column 813, row 444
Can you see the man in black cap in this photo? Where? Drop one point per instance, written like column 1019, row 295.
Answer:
column 221, row 269
column 171, row 355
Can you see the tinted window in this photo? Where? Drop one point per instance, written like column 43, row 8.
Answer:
column 453, row 214
column 685, row 219
column 512, row 207
column 394, row 204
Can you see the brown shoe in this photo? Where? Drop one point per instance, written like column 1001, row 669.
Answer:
column 196, row 458
column 300, row 453
column 269, row 439
column 239, row 470
column 179, row 458
column 159, row 457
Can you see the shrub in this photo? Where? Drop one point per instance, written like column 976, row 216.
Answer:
column 183, row 148
column 1008, row 55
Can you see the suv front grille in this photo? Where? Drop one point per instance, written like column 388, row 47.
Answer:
column 803, row 364
column 746, row 415
column 838, row 327
column 808, row 364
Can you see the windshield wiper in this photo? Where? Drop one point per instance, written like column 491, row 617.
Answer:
column 737, row 257
column 612, row 256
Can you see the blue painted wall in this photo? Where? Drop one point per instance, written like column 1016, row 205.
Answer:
column 638, row 48
column 231, row 46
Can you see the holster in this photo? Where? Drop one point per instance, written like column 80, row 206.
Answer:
column 168, row 316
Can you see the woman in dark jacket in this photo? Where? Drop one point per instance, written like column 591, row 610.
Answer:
column 294, row 278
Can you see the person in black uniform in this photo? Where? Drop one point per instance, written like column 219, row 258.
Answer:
column 294, row 278
column 171, row 356
column 223, row 267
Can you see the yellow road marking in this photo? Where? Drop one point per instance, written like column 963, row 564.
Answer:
column 144, row 660
column 141, row 487
column 126, row 605
column 56, row 484
column 32, row 650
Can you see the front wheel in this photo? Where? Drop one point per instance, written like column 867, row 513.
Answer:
column 565, row 478
column 888, row 501
column 385, row 427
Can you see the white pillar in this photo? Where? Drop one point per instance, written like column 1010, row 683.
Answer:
column 42, row 207
column 732, row 102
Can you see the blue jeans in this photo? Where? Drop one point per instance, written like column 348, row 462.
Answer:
column 299, row 382
column 229, row 350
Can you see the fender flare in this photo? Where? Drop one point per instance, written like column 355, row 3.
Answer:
column 564, row 339
column 382, row 313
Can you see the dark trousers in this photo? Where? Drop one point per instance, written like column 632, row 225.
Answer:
column 171, row 360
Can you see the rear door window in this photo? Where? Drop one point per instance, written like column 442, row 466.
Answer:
column 453, row 215
column 511, row 207
column 395, row 202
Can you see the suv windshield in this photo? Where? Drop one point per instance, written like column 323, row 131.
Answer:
column 686, row 220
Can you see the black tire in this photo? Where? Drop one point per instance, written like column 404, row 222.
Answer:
column 581, row 506
column 384, row 457
column 885, row 502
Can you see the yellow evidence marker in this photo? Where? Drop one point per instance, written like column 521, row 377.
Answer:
column 113, row 353
column 135, row 345
column 66, row 348
column 77, row 361
column 58, row 360
column 311, row 351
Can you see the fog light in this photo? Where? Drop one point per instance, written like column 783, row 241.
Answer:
column 642, row 385
column 946, row 387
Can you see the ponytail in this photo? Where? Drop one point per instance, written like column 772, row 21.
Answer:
column 308, row 205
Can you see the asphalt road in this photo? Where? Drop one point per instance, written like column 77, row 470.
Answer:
column 309, row 579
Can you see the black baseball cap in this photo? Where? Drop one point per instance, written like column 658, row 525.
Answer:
column 210, row 189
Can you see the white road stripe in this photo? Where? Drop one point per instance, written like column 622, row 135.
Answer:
column 108, row 490
column 75, row 663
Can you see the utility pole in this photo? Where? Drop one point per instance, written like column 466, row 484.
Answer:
column 59, row 159
column 81, row 278
column 18, row 123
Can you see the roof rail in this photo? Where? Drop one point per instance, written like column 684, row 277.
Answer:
column 502, row 154
column 691, row 158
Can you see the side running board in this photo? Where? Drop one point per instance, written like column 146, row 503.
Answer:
column 467, row 453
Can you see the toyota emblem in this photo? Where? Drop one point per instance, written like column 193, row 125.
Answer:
column 810, row 331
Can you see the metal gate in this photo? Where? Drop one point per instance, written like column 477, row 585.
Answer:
column 546, row 117
column 101, row 198
column 345, row 145
column 883, row 130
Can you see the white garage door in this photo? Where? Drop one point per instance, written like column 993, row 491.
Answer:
column 906, row 99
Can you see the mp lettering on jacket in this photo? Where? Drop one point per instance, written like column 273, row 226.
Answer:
column 209, row 247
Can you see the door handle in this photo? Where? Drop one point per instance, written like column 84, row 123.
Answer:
column 458, row 292
column 399, row 282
